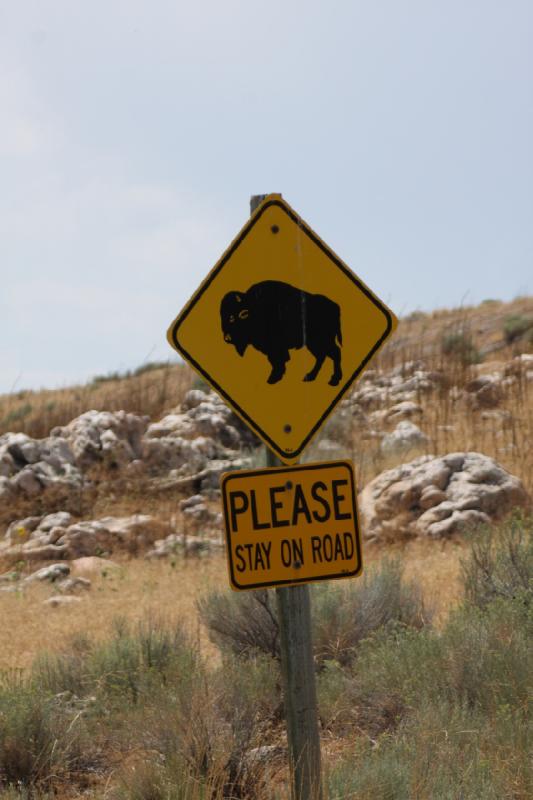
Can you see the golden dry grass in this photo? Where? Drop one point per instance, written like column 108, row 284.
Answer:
column 154, row 390
column 150, row 392
column 504, row 433
column 450, row 422
column 419, row 335
column 139, row 588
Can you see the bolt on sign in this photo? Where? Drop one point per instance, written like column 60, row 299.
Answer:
column 291, row 525
column 281, row 328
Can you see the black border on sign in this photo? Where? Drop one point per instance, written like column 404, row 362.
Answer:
column 293, row 454
column 237, row 474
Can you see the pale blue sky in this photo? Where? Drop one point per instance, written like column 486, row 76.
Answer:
column 132, row 134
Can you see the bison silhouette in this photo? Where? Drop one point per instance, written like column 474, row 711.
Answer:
column 275, row 317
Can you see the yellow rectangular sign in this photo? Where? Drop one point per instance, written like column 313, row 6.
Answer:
column 291, row 525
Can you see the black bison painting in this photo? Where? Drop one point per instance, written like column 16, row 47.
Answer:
column 275, row 317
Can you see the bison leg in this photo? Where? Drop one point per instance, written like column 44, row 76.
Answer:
column 316, row 369
column 335, row 355
column 277, row 362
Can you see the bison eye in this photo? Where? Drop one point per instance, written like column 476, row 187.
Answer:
column 243, row 314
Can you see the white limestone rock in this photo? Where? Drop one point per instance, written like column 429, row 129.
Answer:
column 190, row 502
column 195, row 510
column 407, row 409
column 204, row 426
column 405, row 437
column 166, row 453
column 114, row 438
column 20, row 530
column 62, row 601
column 73, row 585
column 201, row 514
column 7, row 464
column 29, row 466
column 51, row 573
column 60, row 518
column 438, row 496
column 93, row 565
column 112, row 534
column 185, row 546
column 38, row 539
column 177, row 425
column 27, row 483
column 193, row 398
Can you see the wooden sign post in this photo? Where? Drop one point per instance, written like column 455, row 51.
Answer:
column 281, row 328
column 299, row 686
column 299, row 682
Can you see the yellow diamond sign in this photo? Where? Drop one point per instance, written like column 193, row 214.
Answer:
column 281, row 328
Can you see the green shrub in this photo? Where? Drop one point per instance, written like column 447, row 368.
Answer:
column 204, row 742
column 415, row 316
column 201, row 383
column 134, row 661
column 17, row 414
column 431, row 713
column 66, row 672
column 146, row 690
column 480, row 658
column 500, row 562
column 460, row 346
column 252, row 696
column 442, row 714
column 242, row 623
column 151, row 366
column 130, row 664
column 340, row 704
column 108, row 377
column 343, row 615
column 41, row 740
column 515, row 326
column 440, row 752
column 152, row 780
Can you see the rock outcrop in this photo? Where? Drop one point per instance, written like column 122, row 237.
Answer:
column 438, row 496
column 103, row 437
column 202, row 432
column 38, row 539
column 29, row 466
column 186, row 452
column 405, row 438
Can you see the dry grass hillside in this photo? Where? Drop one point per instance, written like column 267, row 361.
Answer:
column 155, row 683
column 494, row 330
column 150, row 390
column 456, row 339
column 458, row 344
